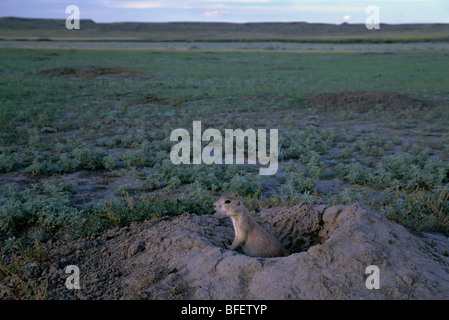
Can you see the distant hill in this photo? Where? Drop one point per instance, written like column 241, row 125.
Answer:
column 52, row 29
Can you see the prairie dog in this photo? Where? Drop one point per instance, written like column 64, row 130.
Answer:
column 255, row 241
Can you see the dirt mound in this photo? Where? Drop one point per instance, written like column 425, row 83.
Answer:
column 152, row 98
column 93, row 72
column 363, row 101
column 185, row 258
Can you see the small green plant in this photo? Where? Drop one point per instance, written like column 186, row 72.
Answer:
column 284, row 197
column 355, row 172
column 299, row 179
column 420, row 210
column 109, row 162
column 10, row 161
column 89, row 159
column 349, row 196
column 410, row 171
column 173, row 183
column 44, row 205
column 296, row 144
column 134, row 158
column 244, row 185
column 121, row 211
column 68, row 164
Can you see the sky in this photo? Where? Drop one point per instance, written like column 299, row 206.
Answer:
column 239, row 11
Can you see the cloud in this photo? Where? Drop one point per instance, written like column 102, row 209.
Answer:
column 133, row 4
column 269, row 10
column 144, row 4
column 151, row 4
column 326, row 9
column 230, row 5
column 234, row 1
column 215, row 13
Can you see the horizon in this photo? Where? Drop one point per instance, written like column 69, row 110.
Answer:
column 225, row 22
column 233, row 11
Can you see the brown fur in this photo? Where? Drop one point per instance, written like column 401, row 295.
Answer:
column 255, row 241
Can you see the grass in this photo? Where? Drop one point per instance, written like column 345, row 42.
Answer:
column 28, row 255
column 101, row 132
column 420, row 210
column 52, row 29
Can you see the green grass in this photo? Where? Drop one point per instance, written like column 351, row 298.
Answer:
column 110, row 129
column 52, row 29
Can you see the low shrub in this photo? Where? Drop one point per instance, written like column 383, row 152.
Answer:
column 420, row 210
column 45, row 206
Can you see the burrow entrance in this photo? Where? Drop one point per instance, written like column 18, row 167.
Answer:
column 299, row 227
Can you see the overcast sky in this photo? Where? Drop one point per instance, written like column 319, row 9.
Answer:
column 338, row 11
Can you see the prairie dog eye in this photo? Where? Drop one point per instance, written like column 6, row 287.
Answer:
column 227, row 201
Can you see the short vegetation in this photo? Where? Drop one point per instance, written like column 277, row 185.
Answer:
column 82, row 153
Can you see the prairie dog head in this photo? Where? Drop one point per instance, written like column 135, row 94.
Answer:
column 230, row 206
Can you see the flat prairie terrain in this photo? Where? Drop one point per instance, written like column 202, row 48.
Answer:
column 12, row 28
column 229, row 46
column 85, row 136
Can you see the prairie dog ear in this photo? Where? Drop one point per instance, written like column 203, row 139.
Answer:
column 239, row 203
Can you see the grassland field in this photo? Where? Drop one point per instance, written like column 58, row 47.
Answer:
column 227, row 46
column 84, row 135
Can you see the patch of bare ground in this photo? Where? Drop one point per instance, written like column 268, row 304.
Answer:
column 152, row 98
column 185, row 257
column 363, row 101
column 94, row 72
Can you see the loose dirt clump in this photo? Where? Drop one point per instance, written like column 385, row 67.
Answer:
column 363, row 101
column 152, row 98
column 185, row 257
column 93, row 72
